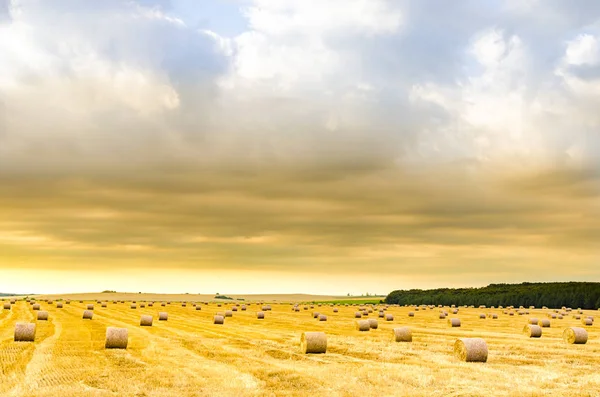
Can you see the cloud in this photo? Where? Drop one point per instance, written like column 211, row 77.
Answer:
column 355, row 137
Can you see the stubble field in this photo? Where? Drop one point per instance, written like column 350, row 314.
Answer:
column 188, row 355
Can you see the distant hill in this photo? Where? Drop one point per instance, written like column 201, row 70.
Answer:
column 585, row 295
column 3, row 294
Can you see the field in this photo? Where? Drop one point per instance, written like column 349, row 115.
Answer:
column 189, row 356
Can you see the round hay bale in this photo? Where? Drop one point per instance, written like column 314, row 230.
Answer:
column 482, row 316
column 575, row 335
column 373, row 323
column 313, row 342
column 494, row 315
column 103, row 304
column 228, row 313
column 260, row 315
column 146, row 320
column 133, row 306
column 163, row 304
column 471, row 350
column 244, row 308
column 59, row 305
column 532, row 331
column 533, row 321
column 90, row 307
column 24, row 332
column 442, row 316
column 141, row 305
column 218, row 319
column 234, row 309
column 587, row 321
column 454, row 322
column 402, row 334
column 116, row 338
column 389, row 317
column 335, row 309
column 363, row 325
column 198, row 307
column 322, row 317
column 42, row 315
column 7, row 306
column 411, row 314
column 381, row 314
column 315, row 314
column 163, row 316
column 544, row 323
column 151, row 304
column 88, row 314
column 357, row 314
column 36, row 306
column 454, row 311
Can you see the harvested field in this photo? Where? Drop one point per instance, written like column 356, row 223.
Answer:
column 251, row 357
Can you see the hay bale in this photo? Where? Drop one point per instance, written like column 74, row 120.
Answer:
column 357, row 314
column 146, row 320
column 322, row 317
column 142, row 305
column 494, row 315
column 24, row 332
column 116, row 338
column 7, row 306
column 335, row 309
column 315, row 314
column 532, row 331
column 163, row 304
column 260, row 315
column 42, row 315
column 198, row 307
column 363, row 325
column 313, row 342
column 389, row 317
column 103, row 304
column 234, row 309
column 411, row 314
column 163, row 316
column 533, row 321
column 373, row 323
column 244, row 308
column 471, row 350
column 587, row 321
column 88, row 314
column 544, row 323
column 151, row 304
column 482, row 316
column 219, row 319
column 36, row 306
column 59, row 305
column 454, row 311
column 575, row 335
column 402, row 334
column 133, row 306
column 228, row 313
column 454, row 322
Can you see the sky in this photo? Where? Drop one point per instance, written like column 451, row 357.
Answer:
column 275, row 146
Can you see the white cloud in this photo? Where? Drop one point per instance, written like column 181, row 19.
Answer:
column 583, row 50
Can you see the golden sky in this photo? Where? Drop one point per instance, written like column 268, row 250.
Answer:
column 159, row 147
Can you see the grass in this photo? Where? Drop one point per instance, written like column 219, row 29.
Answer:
column 189, row 356
column 358, row 301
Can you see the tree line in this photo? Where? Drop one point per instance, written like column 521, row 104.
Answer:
column 585, row 295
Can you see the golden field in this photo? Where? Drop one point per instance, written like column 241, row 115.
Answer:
column 189, row 356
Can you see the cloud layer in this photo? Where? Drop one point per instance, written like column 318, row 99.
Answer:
column 403, row 144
